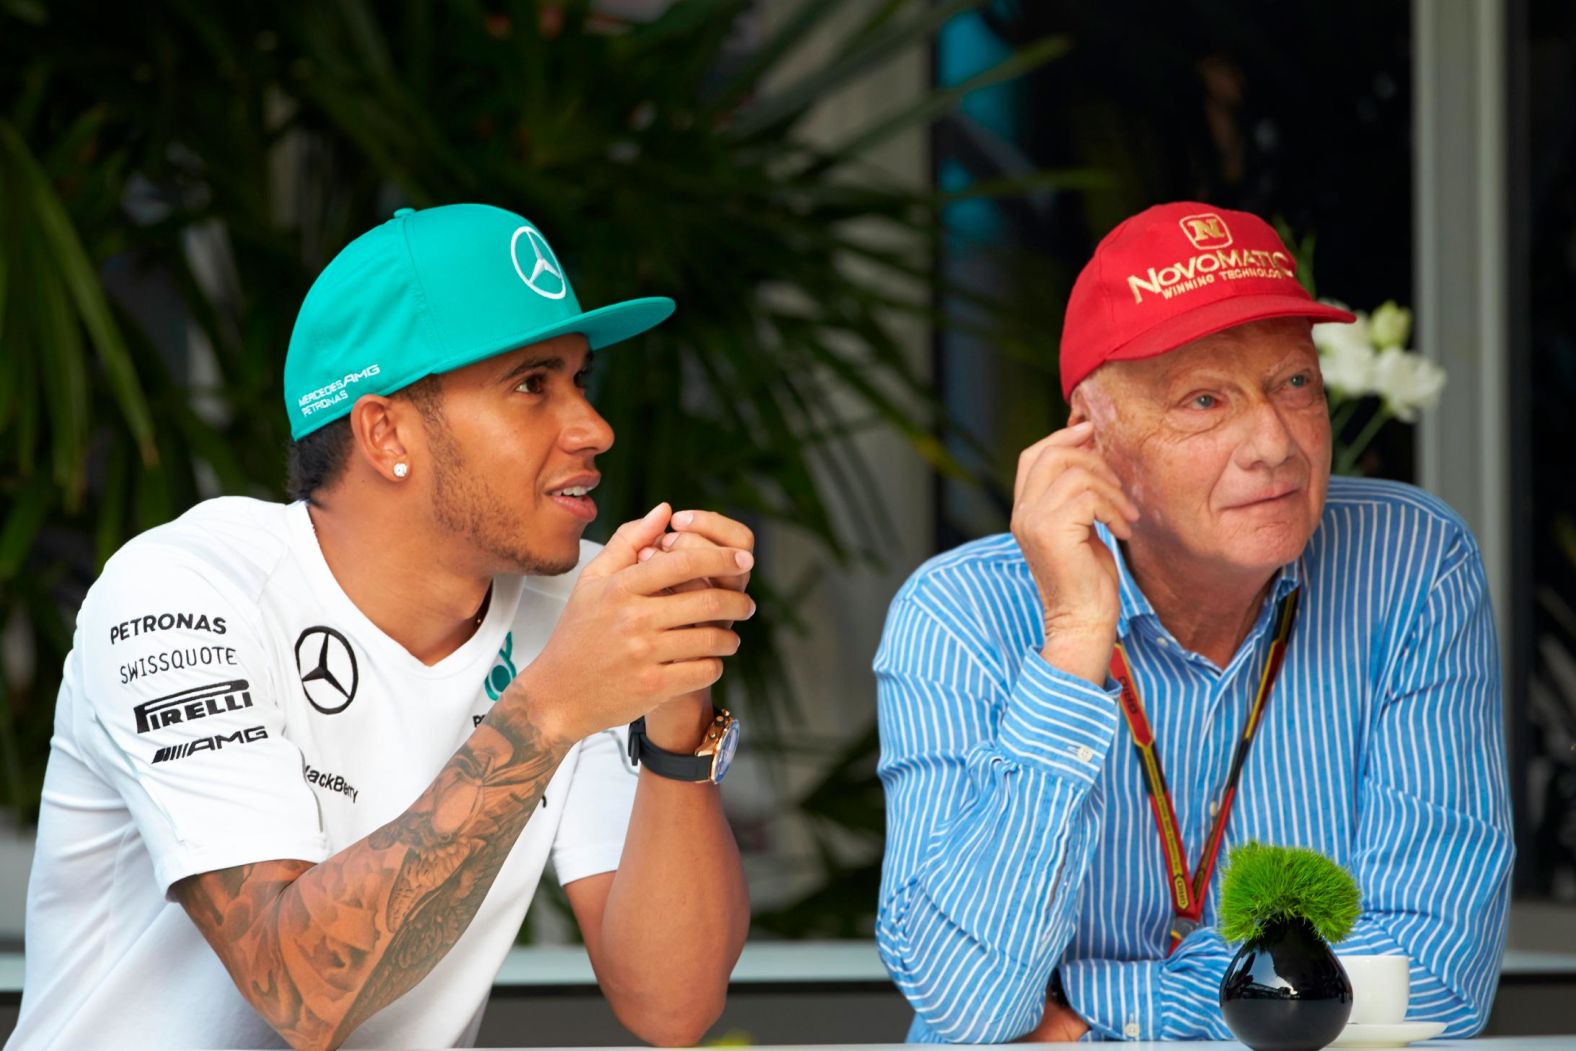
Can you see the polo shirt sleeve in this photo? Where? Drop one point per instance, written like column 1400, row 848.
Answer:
column 597, row 805
column 987, row 758
column 180, row 714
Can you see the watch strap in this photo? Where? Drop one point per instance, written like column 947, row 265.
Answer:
column 676, row 766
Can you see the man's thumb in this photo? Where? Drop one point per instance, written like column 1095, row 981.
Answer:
column 625, row 544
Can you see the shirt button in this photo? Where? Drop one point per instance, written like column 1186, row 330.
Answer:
column 1130, row 1030
column 1084, row 753
column 1214, row 807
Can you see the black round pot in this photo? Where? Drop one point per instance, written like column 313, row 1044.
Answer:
column 1286, row 991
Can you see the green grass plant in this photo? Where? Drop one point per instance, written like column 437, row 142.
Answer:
column 1265, row 884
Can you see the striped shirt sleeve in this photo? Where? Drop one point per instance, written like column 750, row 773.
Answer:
column 989, row 820
column 1434, row 848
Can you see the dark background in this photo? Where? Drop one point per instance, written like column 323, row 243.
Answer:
column 1545, row 199
column 1299, row 112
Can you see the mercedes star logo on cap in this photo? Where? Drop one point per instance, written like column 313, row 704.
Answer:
column 544, row 267
column 328, row 669
column 364, row 328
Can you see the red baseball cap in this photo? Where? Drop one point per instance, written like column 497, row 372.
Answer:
column 1175, row 273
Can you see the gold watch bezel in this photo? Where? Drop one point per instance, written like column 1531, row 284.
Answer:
column 714, row 732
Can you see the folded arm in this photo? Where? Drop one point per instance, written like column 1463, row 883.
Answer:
column 317, row 949
column 989, row 821
column 1433, row 850
column 664, row 931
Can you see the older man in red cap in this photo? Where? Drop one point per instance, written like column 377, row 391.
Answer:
column 1192, row 637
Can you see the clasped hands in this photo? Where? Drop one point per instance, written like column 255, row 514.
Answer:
column 682, row 719
column 644, row 631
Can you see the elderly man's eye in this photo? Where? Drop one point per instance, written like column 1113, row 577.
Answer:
column 1302, row 379
column 1204, row 401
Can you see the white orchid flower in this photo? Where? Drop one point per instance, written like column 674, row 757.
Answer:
column 1391, row 325
column 1408, row 382
column 1346, row 355
column 1368, row 357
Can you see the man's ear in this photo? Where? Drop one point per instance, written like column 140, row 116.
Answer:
column 1077, row 406
column 386, row 432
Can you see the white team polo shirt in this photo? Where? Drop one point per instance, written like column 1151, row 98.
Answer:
column 224, row 703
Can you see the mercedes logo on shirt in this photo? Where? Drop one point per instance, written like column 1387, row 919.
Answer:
column 328, row 669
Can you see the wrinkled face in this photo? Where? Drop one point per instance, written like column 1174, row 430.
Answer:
column 505, row 438
column 1224, row 444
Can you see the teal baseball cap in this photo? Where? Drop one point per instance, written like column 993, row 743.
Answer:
column 430, row 291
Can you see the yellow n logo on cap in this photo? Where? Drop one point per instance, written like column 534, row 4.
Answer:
column 1206, row 230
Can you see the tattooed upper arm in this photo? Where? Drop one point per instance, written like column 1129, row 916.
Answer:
column 318, row 949
column 233, row 908
column 219, row 901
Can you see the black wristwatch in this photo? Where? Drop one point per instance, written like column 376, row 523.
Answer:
column 709, row 762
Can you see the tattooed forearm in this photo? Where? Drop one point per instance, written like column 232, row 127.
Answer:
column 318, row 949
column 444, row 910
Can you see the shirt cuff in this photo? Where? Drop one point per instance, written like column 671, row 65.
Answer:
column 1057, row 720
column 1116, row 998
column 173, row 864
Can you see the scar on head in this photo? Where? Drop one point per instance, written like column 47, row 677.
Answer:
column 1099, row 403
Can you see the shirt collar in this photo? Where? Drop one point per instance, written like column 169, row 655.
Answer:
column 1135, row 604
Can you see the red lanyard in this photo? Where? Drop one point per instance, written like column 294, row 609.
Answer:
column 1187, row 896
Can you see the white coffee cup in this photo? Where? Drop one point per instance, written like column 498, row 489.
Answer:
column 1381, row 987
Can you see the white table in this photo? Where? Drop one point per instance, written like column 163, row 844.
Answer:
column 817, row 963
column 840, row 991
column 1504, row 1043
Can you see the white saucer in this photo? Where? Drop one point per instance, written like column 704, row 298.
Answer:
column 1397, row 1034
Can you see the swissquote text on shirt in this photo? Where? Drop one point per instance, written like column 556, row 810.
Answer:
column 226, row 703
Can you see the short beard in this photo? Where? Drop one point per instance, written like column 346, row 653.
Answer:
column 465, row 505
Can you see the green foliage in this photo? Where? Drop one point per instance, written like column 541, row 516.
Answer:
column 847, row 801
column 1265, row 884
column 173, row 176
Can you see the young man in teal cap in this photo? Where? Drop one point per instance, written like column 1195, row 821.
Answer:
column 310, row 760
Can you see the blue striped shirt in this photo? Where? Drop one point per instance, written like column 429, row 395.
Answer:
column 1019, row 838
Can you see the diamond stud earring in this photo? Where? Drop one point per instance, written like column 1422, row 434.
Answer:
column 401, row 470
